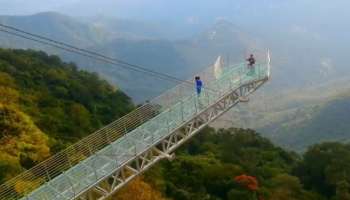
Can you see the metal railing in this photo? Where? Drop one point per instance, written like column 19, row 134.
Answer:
column 75, row 169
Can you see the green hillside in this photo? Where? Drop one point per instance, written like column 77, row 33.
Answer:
column 46, row 104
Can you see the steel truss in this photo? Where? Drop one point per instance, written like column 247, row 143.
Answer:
column 164, row 149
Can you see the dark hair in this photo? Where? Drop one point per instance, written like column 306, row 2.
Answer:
column 197, row 78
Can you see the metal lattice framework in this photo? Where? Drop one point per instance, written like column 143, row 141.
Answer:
column 99, row 165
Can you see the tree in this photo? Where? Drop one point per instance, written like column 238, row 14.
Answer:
column 285, row 186
column 324, row 166
column 7, row 80
column 20, row 138
column 8, row 93
column 8, row 96
column 342, row 191
column 80, row 118
column 236, row 194
column 138, row 190
column 248, row 182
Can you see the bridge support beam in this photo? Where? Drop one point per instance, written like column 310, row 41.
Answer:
column 164, row 149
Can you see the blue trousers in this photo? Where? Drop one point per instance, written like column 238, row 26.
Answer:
column 199, row 90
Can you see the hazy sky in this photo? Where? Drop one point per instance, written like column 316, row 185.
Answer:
column 174, row 8
column 24, row 7
column 322, row 22
column 132, row 7
column 297, row 14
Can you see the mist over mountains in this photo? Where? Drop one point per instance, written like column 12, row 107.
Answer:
column 135, row 44
column 310, row 56
column 51, row 98
column 180, row 38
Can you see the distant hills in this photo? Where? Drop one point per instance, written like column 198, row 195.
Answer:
column 284, row 109
column 296, row 119
column 53, row 25
column 315, row 124
column 135, row 42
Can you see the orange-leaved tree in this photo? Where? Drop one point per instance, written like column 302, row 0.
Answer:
column 249, row 182
column 138, row 190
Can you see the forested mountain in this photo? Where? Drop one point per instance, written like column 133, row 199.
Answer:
column 46, row 104
column 141, row 43
column 49, row 102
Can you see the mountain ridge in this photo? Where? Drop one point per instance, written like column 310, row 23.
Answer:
column 180, row 58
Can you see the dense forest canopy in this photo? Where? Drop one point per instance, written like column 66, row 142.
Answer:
column 237, row 164
column 46, row 104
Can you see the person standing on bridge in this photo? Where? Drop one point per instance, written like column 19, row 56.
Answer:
column 251, row 61
column 199, row 85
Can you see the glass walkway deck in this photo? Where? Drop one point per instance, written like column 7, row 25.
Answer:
column 76, row 170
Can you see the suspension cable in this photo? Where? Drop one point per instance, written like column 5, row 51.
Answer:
column 87, row 53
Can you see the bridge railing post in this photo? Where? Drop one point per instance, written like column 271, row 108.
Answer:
column 152, row 138
column 240, row 76
column 94, row 161
column 168, row 123
column 195, row 104
column 135, row 143
column 182, row 104
column 46, row 173
column 71, row 184
column 208, row 97
column 182, row 110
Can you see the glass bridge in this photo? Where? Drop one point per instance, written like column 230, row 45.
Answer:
column 76, row 170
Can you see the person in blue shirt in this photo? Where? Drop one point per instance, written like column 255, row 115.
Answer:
column 199, row 85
